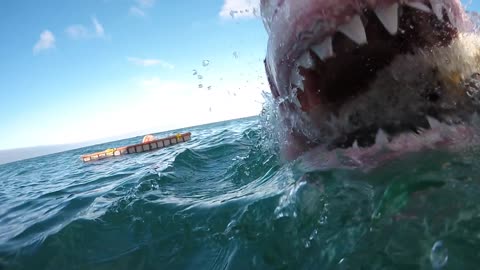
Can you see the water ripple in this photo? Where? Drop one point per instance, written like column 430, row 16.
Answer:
column 224, row 201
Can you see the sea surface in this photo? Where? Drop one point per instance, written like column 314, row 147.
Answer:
column 224, row 200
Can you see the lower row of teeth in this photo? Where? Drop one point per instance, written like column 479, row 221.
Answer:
column 441, row 129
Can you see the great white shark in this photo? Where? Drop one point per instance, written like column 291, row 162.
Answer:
column 358, row 82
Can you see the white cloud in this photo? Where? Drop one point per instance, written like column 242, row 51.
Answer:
column 240, row 9
column 150, row 62
column 46, row 41
column 140, row 8
column 146, row 3
column 136, row 11
column 78, row 31
column 99, row 31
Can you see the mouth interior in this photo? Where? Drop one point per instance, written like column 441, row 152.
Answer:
column 340, row 78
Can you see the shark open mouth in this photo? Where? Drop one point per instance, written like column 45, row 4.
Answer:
column 343, row 65
column 334, row 71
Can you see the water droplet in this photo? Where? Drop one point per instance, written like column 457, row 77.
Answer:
column 200, row 86
column 307, row 244
column 205, row 63
column 439, row 255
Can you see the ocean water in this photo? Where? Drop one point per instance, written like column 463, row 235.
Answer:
column 224, row 200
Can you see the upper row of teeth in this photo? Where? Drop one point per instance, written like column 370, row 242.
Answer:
column 355, row 30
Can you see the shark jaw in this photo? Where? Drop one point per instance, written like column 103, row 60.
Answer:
column 399, row 77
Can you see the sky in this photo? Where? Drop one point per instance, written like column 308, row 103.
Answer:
column 76, row 71
column 80, row 71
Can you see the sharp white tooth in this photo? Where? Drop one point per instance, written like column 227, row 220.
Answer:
column 324, row 50
column 451, row 18
column 306, row 61
column 420, row 131
column 355, row 30
column 434, row 123
column 381, row 138
column 355, row 145
column 437, row 8
column 475, row 120
column 420, row 6
column 389, row 17
column 297, row 79
column 295, row 100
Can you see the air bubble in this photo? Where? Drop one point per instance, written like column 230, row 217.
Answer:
column 439, row 255
column 308, row 244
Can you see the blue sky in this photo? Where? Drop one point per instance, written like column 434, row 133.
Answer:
column 471, row 4
column 74, row 71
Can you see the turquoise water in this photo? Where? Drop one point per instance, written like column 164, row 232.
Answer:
column 225, row 201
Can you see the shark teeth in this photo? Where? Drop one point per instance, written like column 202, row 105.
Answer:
column 451, row 18
column 294, row 100
column 475, row 119
column 354, row 30
column 420, row 6
column 324, row 50
column 434, row 123
column 437, row 8
column 296, row 79
column 306, row 61
column 381, row 138
column 355, row 145
column 389, row 17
